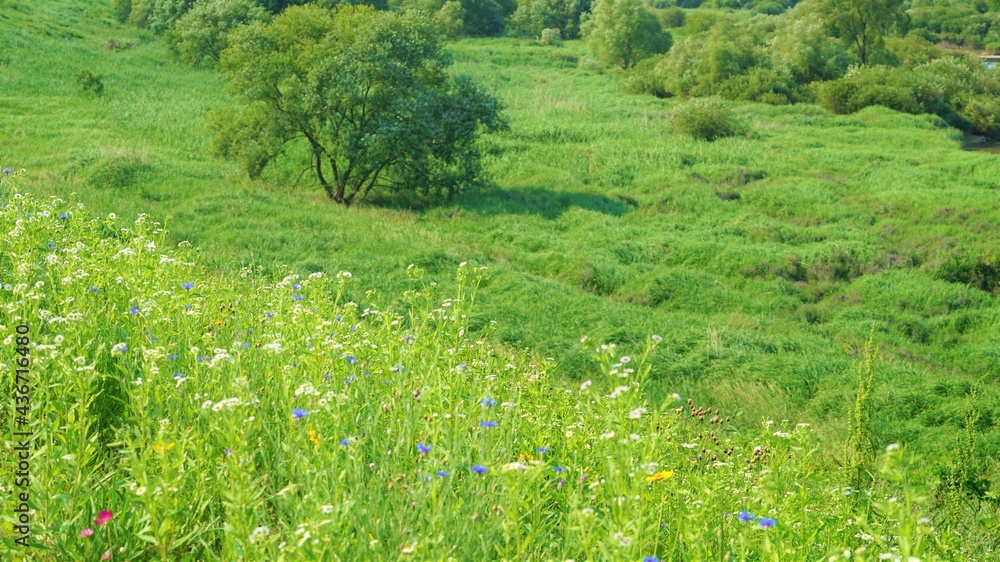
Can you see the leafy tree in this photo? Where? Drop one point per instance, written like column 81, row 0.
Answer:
column 451, row 18
column 803, row 46
column 365, row 92
column 864, row 24
column 623, row 32
column 534, row 16
column 202, row 32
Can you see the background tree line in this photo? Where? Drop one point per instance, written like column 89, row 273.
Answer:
column 401, row 123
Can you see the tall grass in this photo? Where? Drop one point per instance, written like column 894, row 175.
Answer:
column 240, row 417
column 762, row 260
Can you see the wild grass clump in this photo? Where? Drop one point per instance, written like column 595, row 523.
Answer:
column 178, row 414
column 89, row 83
column 706, row 119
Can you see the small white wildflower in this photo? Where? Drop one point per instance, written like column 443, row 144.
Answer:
column 636, row 413
column 586, row 384
column 608, row 435
column 892, row 447
column 259, row 533
column 140, row 491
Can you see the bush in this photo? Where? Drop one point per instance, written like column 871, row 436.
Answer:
column 956, row 89
column 534, row 16
column 121, row 9
column 203, row 32
column 451, row 18
column 769, row 8
column 165, row 13
column 551, row 37
column 116, row 171
column 706, row 119
column 673, row 17
column 89, row 83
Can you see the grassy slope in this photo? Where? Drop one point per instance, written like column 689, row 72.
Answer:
column 601, row 222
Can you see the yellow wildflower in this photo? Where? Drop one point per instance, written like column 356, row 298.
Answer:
column 661, row 475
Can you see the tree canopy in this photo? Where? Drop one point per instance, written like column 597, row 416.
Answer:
column 366, row 91
column 864, row 24
column 623, row 32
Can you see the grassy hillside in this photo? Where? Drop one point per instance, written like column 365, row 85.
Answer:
column 177, row 414
column 763, row 261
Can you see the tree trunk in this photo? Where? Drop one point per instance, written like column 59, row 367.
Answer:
column 322, row 180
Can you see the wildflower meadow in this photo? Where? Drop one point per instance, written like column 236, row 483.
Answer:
column 179, row 414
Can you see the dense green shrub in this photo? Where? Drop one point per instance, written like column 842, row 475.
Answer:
column 451, row 18
column 116, row 171
column 551, row 37
column 705, row 118
column 202, row 32
column 121, row 9
column 956, row 88
column 478, row 18
column 673, row 17
column 702, row 64
column 769, row 8
column 533, row 16
column 981, row 272
column 89, row 83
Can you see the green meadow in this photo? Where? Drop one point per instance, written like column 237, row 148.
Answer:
column 764, row 261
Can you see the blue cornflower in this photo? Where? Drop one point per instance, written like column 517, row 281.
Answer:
column 63, row 216
column 424, row 449
column 299, row 413
column 187, row 286
column 352, row 359
column 7, row 171
column 488, row 402
column 397, row 368
column 558, row 469
column 123, row 349
column 479, row 469
column 269, row 314
column 650, row 559
column 486, row 423
column 339, row 318
column 746, row 516
column 133, row 310
column 94, row 289
column 345, row 442
column 179, row 376
column 296, row 287
column 172, row 356
column 187, row 306
column 767, row 522
column 229, row 451
column 51, row 245
column 298, row 297
column 443, row 473
column 542, row 450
